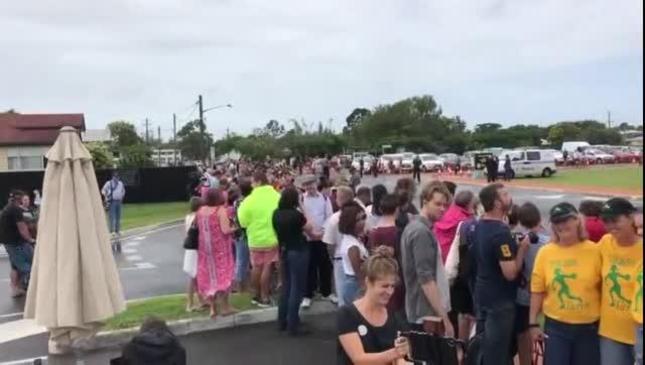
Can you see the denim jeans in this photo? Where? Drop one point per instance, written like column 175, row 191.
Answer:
column 339, row 280
column 615, row 353
column 114, row 215
column 241, row 259
column 638, row 346
column 21, row 256
column 497, row 322
column 571, row 344
column 295, row 264
column 350, row 289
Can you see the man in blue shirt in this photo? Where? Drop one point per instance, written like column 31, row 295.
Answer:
column 498, row 262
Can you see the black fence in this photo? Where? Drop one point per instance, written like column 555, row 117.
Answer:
column 145, row 185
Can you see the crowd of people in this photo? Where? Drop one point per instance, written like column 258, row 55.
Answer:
column 454, row 264
column 474, row 267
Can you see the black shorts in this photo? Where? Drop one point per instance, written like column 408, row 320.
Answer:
column 461, row 300
column 521, row 319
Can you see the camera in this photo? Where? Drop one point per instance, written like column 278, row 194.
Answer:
column 533, row 237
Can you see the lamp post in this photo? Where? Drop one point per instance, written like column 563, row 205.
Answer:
column 202, row 124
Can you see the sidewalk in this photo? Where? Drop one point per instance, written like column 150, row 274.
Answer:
column 21, row 329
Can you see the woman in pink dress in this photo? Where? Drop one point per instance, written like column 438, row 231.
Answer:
column 215, row 264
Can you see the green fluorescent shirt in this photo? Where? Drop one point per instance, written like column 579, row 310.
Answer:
column 256, row 214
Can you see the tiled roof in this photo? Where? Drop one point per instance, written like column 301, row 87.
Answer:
column 35, row 129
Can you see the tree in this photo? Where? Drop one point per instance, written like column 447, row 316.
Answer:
column 124, row 134
column 136, row 155
column 194, row 143
column 355, row 118
column 102, row 158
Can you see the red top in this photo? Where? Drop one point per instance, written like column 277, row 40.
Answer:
column 388, row 236
column 595, row 228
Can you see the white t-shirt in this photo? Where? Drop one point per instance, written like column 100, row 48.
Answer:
column 345, row 244
column 331, row 235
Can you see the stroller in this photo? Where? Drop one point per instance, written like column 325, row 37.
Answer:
column 431, row 349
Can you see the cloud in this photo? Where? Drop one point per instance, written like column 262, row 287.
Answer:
column 317, row 60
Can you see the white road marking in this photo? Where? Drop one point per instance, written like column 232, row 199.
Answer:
column 25, row 361
column 145, row 265
column 134, row 258
column 598, row 198
column 131, row 244
column 140, row 238
column 139, row 266
column 548, row 197
column 129, row 250
column 10, row 315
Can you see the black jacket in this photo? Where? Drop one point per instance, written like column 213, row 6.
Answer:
column 154, row 347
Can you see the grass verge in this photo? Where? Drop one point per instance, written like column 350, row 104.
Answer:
column 146, row 214
column 168, row 308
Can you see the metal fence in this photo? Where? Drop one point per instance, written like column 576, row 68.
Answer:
column 144, row 185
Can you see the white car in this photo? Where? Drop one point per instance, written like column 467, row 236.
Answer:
column 367, row 162
column 406, row 161
column 525, row 163
column 594, row 155
column 431, row 162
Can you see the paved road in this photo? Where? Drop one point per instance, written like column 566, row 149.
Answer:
column 254, row 344
column 150, row 264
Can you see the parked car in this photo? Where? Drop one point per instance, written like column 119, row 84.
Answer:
column 406, row 161
column 558, row 155
column 623, row 154
column 529, row 163
column 596, row 156
column 367, row 162
column 431, row 162
column 574, row 146
column 450, row 159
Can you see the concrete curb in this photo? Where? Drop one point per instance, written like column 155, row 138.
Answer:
column 116, row 339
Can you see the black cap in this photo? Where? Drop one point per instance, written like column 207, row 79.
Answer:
column 615, row 207
column 561, row 212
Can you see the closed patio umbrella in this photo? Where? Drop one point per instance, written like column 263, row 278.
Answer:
column 74, row 282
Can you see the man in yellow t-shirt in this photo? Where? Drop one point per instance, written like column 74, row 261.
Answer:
column 622, row 252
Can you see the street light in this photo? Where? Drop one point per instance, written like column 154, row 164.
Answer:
column 218, row 107
column 202, row 125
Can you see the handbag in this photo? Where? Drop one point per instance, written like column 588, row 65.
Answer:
column 191, row 242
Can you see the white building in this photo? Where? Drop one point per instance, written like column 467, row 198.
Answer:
column 166, row 157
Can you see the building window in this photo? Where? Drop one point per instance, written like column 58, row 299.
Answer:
column 26, row 158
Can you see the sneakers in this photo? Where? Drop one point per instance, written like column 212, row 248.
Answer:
column 261, row 304
column 332, row 298
column 306, row 303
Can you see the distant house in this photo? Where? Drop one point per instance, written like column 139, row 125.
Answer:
column 26, row 138
column 97, row 135
column 166, row 157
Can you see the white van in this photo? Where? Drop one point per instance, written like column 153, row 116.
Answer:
column 573, row 146
column 532, row 162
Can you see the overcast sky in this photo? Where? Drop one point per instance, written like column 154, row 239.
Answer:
column 485, row 60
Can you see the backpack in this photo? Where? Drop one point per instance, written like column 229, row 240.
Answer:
column 466, row 266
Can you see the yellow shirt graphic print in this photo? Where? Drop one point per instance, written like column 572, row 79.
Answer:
column 637, row 299
column 619, row 264
column 569, row 279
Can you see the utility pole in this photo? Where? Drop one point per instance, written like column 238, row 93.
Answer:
column 159, row 134
column 159, row 145
column 608, row 118
column 174, row 139
column 147, row 125
column 202, row 125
